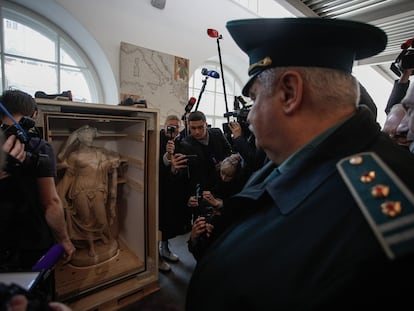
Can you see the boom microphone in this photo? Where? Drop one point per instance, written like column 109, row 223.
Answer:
column 190, row 104
column 210, row 73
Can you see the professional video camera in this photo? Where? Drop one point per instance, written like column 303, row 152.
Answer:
column 405, row 60
column 240, row 111
column 24, row 130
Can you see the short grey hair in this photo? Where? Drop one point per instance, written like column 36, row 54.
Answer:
column 327, row 85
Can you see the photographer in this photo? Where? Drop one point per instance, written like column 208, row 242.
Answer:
column 207, row 206
column 399, row 89
column 403, row 67
column 174, row 217
column 210, row 147
column 399, row 105
column 399, row 124
column 32, row 217
column 13, row 148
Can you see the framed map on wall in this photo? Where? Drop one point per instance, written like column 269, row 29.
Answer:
column 159, row 78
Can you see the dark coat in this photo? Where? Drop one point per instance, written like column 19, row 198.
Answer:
column 302, row 243
column 24, row 233
column 397, row 94
column 204, row 169
column 174, row 215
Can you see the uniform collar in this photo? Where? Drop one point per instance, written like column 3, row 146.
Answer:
column 301, row 179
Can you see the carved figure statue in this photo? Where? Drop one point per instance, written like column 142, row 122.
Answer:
column 88, row 190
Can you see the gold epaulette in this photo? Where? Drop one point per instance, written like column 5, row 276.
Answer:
column 387, row 204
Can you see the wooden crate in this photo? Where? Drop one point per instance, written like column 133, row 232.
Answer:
column 133, row 272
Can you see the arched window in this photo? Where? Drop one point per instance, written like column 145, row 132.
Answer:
column 38, row 56
column 212, row 101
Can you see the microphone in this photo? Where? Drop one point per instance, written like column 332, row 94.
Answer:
column 49, row 260
column 212, row 33
column 210, row 73
column 407, row 44
column 190, row 104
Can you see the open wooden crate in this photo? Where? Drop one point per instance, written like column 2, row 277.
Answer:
column 132, row 272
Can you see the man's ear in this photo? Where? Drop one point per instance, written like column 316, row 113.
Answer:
column 292, row 86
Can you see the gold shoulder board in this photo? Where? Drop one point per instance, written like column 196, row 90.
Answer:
column 386, row 203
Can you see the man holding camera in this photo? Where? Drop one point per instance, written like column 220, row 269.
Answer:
column 209, row 147
column 32, row 217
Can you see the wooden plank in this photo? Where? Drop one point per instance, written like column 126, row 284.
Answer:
column 115, row 297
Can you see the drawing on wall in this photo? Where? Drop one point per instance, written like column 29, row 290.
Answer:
column 181, row 68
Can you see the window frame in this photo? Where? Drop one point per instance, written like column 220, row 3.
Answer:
column 216, row 91
column 61, row 39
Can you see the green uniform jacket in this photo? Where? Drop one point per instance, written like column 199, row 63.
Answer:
column 301, row 242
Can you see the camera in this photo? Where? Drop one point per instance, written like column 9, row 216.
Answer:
column 36, row 301
column 171, row 130
column 405, row 60
column 23, row 130
column 240, row 112
column 204, row 209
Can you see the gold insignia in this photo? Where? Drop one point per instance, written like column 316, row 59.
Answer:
column 368, row 177
column 391, row 208
column 380, row 191
column 356, row 160
column 267, row 61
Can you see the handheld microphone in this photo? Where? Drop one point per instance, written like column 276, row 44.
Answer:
column 190, row 104
column 210, row 73
column 49, row 260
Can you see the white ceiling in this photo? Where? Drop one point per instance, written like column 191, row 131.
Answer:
column 395, row 17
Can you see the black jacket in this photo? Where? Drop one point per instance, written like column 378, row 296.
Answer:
column 204, row 168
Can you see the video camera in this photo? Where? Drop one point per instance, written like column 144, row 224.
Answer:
column 24, row 130
column 240, row 112
column 405, row 60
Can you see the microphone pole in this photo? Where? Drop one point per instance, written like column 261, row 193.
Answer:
column 201, row 92
column 214, row 34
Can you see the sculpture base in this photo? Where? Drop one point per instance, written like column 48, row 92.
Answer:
column 73, row 282
column 104, row 251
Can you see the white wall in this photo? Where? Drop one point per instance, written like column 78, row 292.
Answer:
column 179, row 29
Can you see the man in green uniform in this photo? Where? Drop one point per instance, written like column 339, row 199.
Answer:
column 326, row 224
